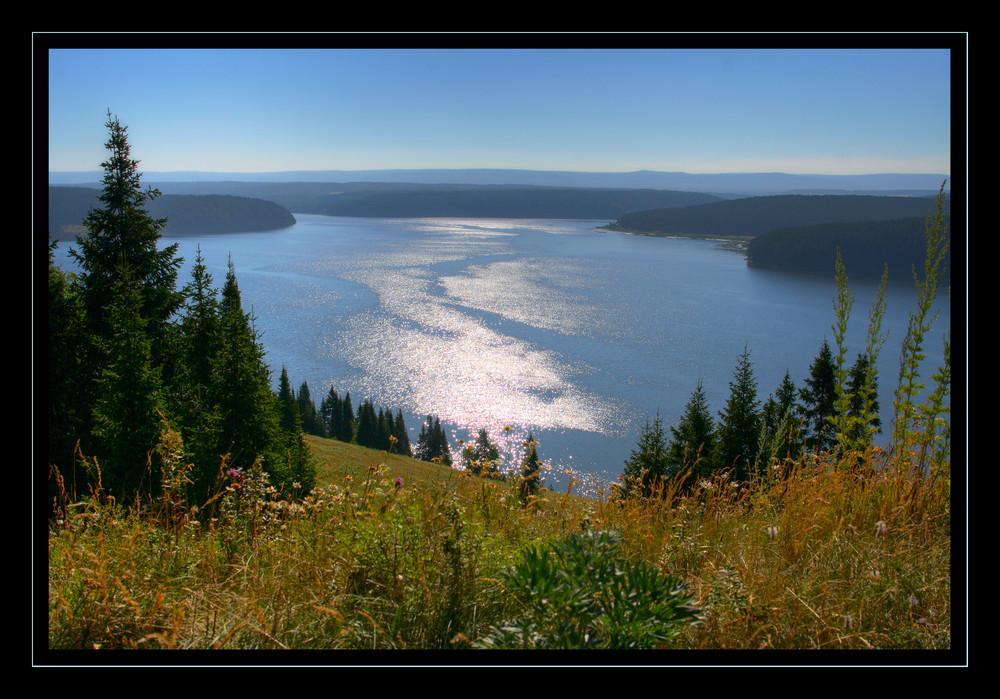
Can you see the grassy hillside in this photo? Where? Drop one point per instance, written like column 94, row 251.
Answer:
column 818, row 557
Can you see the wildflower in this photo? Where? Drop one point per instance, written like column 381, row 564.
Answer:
column 913, row 600
column 236, row 474
column 399, row 482
column 880, row 528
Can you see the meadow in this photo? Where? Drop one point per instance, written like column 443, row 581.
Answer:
column 393, row 553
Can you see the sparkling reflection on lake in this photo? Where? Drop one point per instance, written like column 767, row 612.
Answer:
column 554, row 327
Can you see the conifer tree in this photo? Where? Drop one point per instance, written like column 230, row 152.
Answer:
column 819, row 401
column 346, row 429
column 781, row 423
column 423, row 450
column 367, row 425
column 440, row 441
column 241, row 387
column 531, row 469
column 289, row 418
column 482, row 456
column 738, row 434
column 297, row 475
column 432, row 444
column 647, row 466
column 692, row 439
column 126, row 413
column 862, row 388
column 200, row 339
column 120, row 236
column 121, row 232
column 384, row 430
column 312, row 423
column 201, row 324
column 66, row 334
column 402, row 437
column 329, row 411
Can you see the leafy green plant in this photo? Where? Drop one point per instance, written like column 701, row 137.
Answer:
column 578, row 593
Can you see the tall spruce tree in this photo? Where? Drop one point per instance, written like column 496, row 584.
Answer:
column 241, row 388
column 127, row 416
column 531, row 470
column 289, row 418
column 739, row 426
column 121, row 233
column 201, row 324
column 402, row 436
column 200, row 339
column 482, row 456
column 819, row 401
column 120, row 236
column 329, row 411
column 781, row 422
column 347, row 426
column 367, row 425
column 692, row 439
column 432, row 444
column 312, row 423
column 646, row 467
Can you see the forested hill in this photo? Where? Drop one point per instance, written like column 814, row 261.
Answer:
column 502, row 202
column 756, row 215
column 865, row 248
column 414, row 200
column 184, row 213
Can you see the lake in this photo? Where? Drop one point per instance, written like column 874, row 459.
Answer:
column 576, row 335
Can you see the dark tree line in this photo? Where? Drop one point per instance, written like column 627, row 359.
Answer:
column 133, row 358
column 748, row 434
column 754, row 216
column 432, row 445
column 865, row 247
column 377, row 430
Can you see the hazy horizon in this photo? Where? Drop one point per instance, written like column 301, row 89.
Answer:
column 695, row 111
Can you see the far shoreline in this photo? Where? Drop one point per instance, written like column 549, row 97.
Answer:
column 730, row 242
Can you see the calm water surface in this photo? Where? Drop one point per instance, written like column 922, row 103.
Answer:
column 576, row 335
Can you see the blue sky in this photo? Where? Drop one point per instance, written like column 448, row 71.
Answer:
column 818, row 111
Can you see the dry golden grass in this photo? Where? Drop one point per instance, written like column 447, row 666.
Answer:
column 822, row 558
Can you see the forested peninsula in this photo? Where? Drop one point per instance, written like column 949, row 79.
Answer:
column 866, row 247
column 185, row 214
column 802, row 232
column 755, row 215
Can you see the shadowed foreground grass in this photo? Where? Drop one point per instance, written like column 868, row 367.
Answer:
column 390, row 552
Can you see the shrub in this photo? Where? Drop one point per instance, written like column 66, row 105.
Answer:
column 579, row 594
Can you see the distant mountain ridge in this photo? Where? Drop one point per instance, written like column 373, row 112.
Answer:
column 752, row 183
